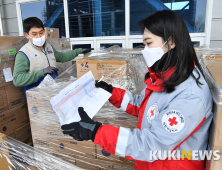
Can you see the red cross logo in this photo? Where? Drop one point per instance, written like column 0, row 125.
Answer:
column 152, row 112
column 173, row 121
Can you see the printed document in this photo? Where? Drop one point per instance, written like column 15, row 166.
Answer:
column 81, row 93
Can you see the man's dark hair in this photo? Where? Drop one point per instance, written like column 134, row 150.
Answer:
column 31, row 22
column 168, row 24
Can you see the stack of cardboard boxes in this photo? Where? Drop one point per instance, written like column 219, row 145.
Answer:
column 60, row 44
column 47, row 134
column 46, row 128
column 13, row 108
column 45, row 125
column 211, row 61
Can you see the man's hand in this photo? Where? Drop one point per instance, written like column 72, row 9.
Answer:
column 49, row 70
column 86, row 50
column 84, row 130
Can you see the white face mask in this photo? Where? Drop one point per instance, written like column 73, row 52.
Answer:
column 38, row 41
column 151, row 55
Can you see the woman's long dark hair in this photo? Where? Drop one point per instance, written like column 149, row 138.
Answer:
column 167, row 24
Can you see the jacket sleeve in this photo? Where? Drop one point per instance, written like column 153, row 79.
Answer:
column 21, row 77
column 66, row 56
column 136, row 144
column 126, row 100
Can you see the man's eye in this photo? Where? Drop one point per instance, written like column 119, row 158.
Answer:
column 148, row 43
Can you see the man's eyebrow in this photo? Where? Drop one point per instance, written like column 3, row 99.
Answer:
column 146, row 39
column 36, row 32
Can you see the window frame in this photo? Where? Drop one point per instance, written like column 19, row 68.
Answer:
column 203, row 38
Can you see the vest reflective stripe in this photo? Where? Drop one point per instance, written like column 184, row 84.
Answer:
column 38, row 59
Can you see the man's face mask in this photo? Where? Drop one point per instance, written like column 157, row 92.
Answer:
column 38, row 41
column 151, row 55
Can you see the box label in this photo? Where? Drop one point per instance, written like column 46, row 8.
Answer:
column 12, row 51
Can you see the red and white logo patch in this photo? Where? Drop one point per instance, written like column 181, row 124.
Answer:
column 173, row 121
column 152, row 112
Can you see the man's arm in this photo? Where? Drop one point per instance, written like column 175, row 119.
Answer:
column 21, row 77
column 66, row 56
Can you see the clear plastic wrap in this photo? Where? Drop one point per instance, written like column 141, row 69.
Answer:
column 211, row 62
column 15, row 155
column 121, row 69
column 45, row 125
column 116, row 50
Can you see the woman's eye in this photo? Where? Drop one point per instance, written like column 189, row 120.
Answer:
column 148, row 43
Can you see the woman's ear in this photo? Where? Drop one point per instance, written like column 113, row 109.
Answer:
column 172, row 44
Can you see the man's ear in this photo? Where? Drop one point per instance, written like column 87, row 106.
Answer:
column 26, row 35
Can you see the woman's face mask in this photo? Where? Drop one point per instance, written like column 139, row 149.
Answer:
column 151, row 55
column 38, row 41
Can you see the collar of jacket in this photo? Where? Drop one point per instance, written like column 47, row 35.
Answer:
column 30, row 43
column 155, row 81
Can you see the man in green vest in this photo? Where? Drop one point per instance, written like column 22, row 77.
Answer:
column 37, row 58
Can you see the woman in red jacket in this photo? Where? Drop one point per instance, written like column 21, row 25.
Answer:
column 174, row 110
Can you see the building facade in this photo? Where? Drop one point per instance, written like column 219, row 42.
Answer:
column 102, row 23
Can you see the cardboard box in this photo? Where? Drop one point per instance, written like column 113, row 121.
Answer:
column 12, row 134
column 9, row 40
column 101, row 66
column 3, row 100
column 102, row 154
column 15, row 95
column 214, row 66
column 47, row 133
column 10, row 97
column 95, row 164
column 2, row 78
column 13, row 119
column 64, row 146
column 65, row 43
column 60, row 44
column 51, row 33
column 23, row 132
column 213, row 165
column 87, row 55
column 10, row 45
column 4, row 153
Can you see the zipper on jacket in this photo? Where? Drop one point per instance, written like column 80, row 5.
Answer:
column 46, row 56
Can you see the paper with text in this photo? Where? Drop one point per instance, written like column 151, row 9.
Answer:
column 81, row 93
column 8, row 74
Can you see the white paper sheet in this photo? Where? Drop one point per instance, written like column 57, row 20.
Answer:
column 8, row 74
column 81, row 93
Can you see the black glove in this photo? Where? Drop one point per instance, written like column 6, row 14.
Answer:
column 104, row 85
column 84, row 130
column 86, row 50
column 49, row 70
